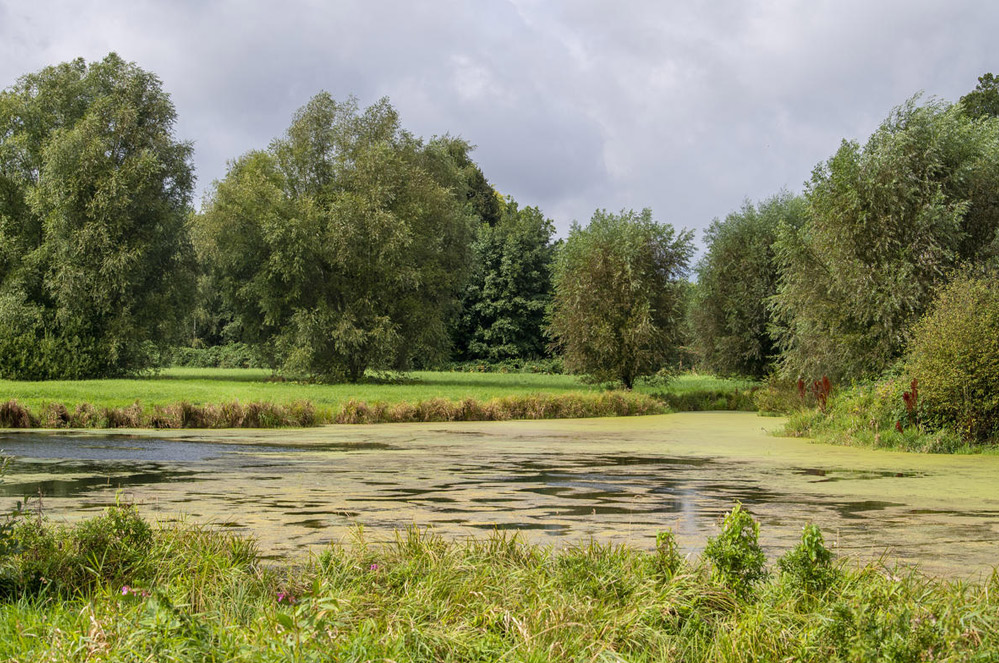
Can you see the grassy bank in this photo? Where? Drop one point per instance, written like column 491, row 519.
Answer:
column 113, row 589
column 874, row 415
column 206, row 398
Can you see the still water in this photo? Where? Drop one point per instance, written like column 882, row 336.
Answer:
column 558, row 482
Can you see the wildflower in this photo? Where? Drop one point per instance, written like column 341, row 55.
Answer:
column 373, row 567
column 126, row 590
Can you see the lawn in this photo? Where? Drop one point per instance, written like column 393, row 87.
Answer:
column 202, row 386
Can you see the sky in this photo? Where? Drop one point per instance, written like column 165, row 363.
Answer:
column 689, row 108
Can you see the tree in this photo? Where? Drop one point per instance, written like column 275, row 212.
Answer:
column 617, row 310
column 504, row 305
column 983, row 101
column 344, row 245
column 731, row 322
column 96, row 267
column 887, row 225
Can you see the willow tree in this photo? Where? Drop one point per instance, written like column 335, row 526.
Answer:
column 95, row 261
column 344, row 245
column 732, row 324
column 618, row 306
column 888, row 223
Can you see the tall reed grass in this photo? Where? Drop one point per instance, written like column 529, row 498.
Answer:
column 303, row 413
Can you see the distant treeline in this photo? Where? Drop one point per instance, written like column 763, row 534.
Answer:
column 349, row 244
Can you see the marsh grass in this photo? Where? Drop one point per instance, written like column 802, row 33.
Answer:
column 304, row 413
column 246, row 398
column 205, row 595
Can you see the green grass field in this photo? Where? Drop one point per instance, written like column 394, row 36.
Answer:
column 202, row 386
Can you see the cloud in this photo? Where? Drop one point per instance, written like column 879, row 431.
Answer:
column 687, row 108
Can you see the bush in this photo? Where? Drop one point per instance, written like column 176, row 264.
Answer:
column 735, row 555
column 231, row 355
column 954, row 355
column 109, row 550
column 809, row 565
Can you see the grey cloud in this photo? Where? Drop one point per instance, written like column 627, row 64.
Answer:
column 688, row 108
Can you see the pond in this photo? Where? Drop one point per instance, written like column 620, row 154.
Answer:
column 557, row 482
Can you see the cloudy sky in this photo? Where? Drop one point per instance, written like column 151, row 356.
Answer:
column 685, row 107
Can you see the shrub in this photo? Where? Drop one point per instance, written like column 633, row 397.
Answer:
column 954, row 355
column 809, row 565
column 735, row 555
column 230, row 355
column 110, row 550
column 112, row 547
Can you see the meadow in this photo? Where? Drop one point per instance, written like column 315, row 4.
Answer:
column 213, row 397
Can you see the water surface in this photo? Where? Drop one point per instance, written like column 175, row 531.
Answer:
column 560, row 482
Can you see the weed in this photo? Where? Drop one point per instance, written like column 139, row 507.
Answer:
column 735, row 554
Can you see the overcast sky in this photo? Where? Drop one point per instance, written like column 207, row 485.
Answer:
column 685, row 107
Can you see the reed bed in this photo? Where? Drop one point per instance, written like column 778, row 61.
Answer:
column 234, row 414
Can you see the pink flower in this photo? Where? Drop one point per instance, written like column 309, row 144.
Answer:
column 373, row 567
column 126, row 590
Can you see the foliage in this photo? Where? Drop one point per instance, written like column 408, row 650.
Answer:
column 887, row 224
column 809, row 565
column 617, row 310
column 983, row 101
column 550, row 366
column 668, row 556
column 109, row 549
column 954, row 356
column 871, row 414
column 95, row 261
column 344, row 245
column 230, row 355
column 735, row 555
column 732, row 325
column 504, row 305
column 206, row 595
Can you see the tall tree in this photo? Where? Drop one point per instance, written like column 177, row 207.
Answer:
column 344, row 245
column 96, row 266
column 730, row 317
column 983, row 101
column 888, row 222
column 504, row 305
column 617, row 312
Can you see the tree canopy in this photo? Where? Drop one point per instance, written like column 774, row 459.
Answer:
column 618, row 305
column 344, row 245
column 95, row 261
column 504, row 305
column 730, row 318
column 888, row 223
column 983, row 101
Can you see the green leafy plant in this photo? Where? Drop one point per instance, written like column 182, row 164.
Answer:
column 809, row 564
column 954, row 356
column 668, row 558
column 735, row 555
